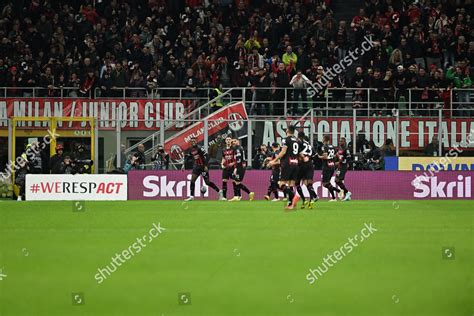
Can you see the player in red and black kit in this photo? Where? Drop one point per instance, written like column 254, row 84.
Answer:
column 288, row 157
column 329, row 157
column 228, row 165
column 239, row 172
column 344, row 155
column 200, row 168
column 306, row 172
column 275, row 177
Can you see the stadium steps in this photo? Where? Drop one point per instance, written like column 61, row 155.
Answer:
column 194, row 115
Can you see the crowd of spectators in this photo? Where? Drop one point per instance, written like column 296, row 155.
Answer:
column 152, row 44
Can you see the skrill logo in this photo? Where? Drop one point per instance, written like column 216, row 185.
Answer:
column 431, row 187
column 160, row 186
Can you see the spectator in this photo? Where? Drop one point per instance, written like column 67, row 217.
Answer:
column 461, row 81
column 152, row 81
column 137, row 83
column 119, row 79
column 3, row 72
column 300, row 84
column 88, row 84
column 29, row 80
column 262, row 85
column 106, row 83
column 74, row 85
column 359, row 82
column 47, row 82
column 290, row 58
column 224, row 42
column 421, row 95
column 14, row 81
column 401, row 83
column 281, row 78
column 432, row 149
column 191, row 84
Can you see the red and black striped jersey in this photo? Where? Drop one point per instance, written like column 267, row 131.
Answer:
column 200, row 157
column 229, row 157
column 344, row 155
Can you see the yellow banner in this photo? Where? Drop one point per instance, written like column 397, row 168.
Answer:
column 444, row 163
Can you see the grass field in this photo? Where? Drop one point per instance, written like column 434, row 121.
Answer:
column 247, row 258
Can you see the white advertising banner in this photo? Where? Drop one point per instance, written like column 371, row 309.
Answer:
column 67, row 187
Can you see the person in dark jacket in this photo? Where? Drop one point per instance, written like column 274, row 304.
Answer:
column 20, row 176
column 377, row 95
column 161, row 159
column 56, row 160
column 35, row 160
column 140, row 156
column 66, row 166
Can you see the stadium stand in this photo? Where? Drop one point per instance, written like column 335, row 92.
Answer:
column 85, row 45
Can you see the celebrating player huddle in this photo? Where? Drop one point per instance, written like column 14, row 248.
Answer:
column 296, row 162
column 292, row 166
column 233, row 168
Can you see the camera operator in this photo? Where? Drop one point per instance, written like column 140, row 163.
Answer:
column 56, row 160
column 375, row 157
column 260, row 156
column 161, row 159
column 80, row 153
column 66, row 166
column 140, row 157
column 80, row 160
column 75, row 166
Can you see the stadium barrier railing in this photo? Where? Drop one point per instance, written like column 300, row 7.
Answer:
column 414, row 125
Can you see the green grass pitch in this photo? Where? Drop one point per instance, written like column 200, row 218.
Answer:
column 244, row 258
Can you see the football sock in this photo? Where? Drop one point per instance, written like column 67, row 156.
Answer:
column 244, row 188
column 212, row 185
column 236, row 189
column 342, row 186
column 312, row 193
column 193, row 184
column 330, row 189
column 290, row 194
column 299, row 189
column 224, row 188
column 275, row 192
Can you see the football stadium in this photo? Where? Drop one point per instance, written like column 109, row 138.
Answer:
column 236, row 157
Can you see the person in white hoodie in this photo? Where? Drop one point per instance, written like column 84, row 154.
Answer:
column 300, row 83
